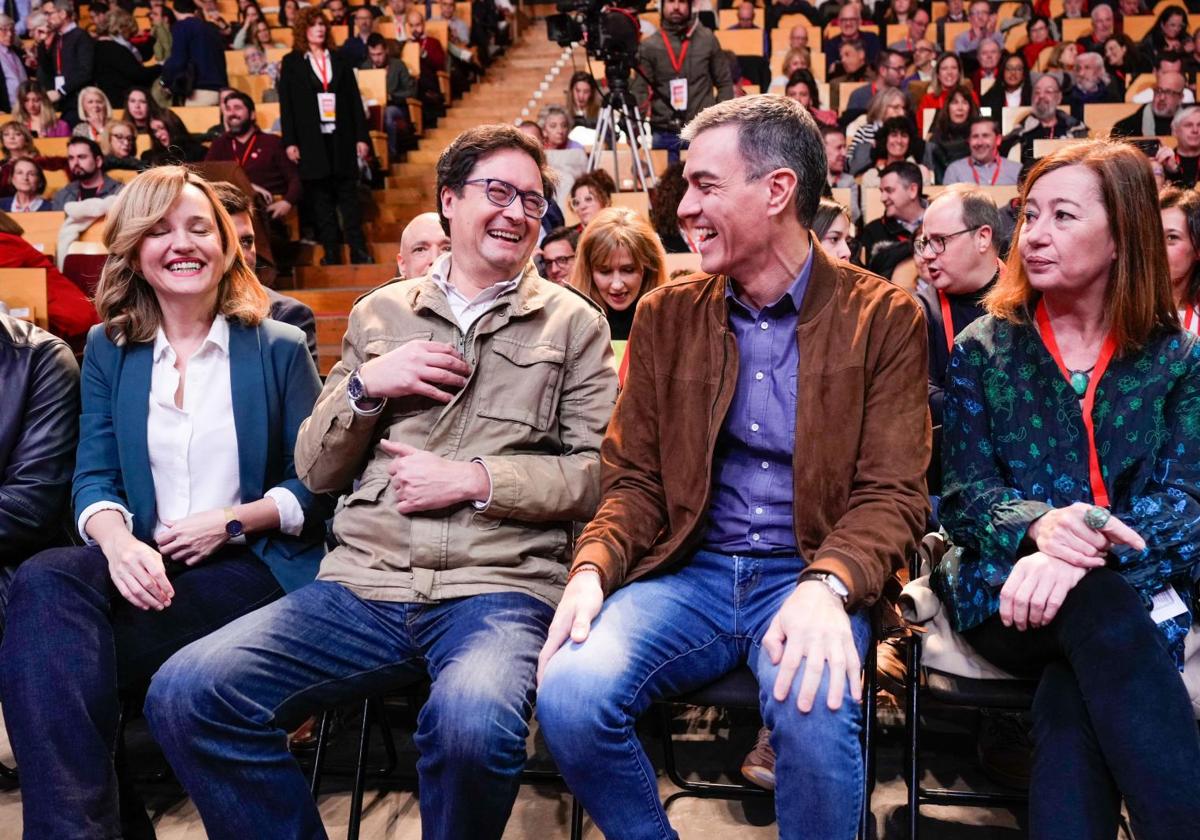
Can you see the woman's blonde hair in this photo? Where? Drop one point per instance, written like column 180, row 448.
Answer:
column 613, row 228
column 126, row 302
column 87, row 91
column 1138, row 300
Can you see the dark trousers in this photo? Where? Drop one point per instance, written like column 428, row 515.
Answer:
column 329, row 197
column 73, row 647
column 1111, row 717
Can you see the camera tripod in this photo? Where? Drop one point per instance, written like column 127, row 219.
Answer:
column 619, row 113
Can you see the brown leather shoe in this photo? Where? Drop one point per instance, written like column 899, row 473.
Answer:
column 891, row 666
column 758, row 767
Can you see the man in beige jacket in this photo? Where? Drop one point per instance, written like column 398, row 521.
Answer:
column 463, row 425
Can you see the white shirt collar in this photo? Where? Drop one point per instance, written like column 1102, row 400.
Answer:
column 440, row 274
column 218, row 337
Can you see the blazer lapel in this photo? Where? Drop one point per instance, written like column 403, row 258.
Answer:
column 131, row 413
column 249, row 384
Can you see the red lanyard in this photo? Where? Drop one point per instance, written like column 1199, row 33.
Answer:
column 58, row 54
column 975, row 174
column 677, row 64
column 947, row 321
column 322, row 68
column 1046, row 330
column 1191, row 320
column 245, row 156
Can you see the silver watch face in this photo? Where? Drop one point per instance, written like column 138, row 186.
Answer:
column 354, row 387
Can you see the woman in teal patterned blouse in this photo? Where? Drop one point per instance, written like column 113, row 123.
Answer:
column 1071, row 457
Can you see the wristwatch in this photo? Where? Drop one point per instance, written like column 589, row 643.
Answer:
column 834, row 583
column 360, row 401
column 233, row 525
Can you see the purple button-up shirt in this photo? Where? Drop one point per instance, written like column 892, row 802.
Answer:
column 751, row 509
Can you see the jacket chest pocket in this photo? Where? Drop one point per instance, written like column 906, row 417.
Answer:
column 381, row 346
column 520, row 383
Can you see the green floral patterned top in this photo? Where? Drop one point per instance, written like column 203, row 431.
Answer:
column 1014, row 446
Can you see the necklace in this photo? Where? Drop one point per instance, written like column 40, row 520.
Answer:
column 1079, row 380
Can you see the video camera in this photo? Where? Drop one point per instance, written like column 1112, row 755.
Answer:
column 609, row 31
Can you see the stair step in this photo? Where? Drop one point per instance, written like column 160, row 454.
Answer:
column 329, row 301
column 343, row 276
column 330, row 330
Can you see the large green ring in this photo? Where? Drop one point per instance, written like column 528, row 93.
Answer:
column 1096, row 517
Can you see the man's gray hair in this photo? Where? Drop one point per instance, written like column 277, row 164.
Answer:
column 978, row 208
column 1183, row 111
column 774, row 132
column 67, row 6
column 36, row 20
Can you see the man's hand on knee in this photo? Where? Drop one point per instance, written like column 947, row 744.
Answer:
column 813, row 629
column 580, row 604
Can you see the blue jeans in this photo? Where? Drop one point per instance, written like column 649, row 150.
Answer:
column 674, row 632
column 73, row 647
column 221, row 707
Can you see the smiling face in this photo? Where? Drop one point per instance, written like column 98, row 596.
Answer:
column 1114, row 53
column 1065, row 242
column 899, row 198
column 181, row 256
column 1014, row 73
column 158, row 129
column 719, row 200
column 1181, row 256
column 897, row 146
column 982, row 141
column 618, row 279
column 947, row 72
column 494, row 242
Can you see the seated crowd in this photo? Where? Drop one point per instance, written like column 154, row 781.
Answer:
column 544, row 471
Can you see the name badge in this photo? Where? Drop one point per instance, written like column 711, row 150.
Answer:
column 1165, row 605
column 327, row 106
column 60, row 83
column 679, row 94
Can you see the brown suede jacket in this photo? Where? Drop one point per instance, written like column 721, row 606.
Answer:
column 862, row 429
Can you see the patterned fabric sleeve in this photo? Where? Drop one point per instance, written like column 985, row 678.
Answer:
column 983, row 515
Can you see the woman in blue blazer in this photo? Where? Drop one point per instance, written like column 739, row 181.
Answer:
column 185, row 493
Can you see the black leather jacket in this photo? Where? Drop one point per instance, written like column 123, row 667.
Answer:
column 39, row 427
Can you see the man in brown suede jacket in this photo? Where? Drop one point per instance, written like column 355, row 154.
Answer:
column 762, row 476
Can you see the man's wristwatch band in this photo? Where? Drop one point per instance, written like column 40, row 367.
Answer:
column 833, row 582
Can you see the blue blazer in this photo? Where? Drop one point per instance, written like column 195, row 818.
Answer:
column 275, row 386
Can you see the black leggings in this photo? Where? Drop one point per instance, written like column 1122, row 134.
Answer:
column 1111, row 717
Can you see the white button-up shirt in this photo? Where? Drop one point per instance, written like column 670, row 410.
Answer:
column 194, row 449
column 467, row 312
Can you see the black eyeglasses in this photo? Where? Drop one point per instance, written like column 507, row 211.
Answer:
column 936, row 244
column 560, row 262
column 502, row 193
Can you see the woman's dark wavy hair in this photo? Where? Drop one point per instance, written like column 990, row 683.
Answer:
column 1188, row 202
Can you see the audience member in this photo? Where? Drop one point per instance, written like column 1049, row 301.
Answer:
column 171, row 142
column 139, row 108
column 1092, row 84
column 619, row 260
column 119, row 67
column 802, row 87
column 194, row 72
column 1062, row 539
column 923, row 57
column 184, row 352
column 29, row 188
column 950, row 133
column 889, row 103
column 1040, row 38
column 558, row 255
column 260, row 153
column 1045, row 120
column 325, row 133
column 947, row 77
column 590, row 194
column 889, row 72
column 69, row 313
column 469, row 616
column 362, row 26
column 672, row 232
column 849, row 21
column 287, row 13
column 248, row 15
column 987, row 70
column 680, row 67
column 835, row 156
column 94, row 111
column 120, row 138
column 674, row 533
column 1180, row 210
column 12, row 66
column 1123, row 59
column 283, row 308
column 795, row 59
column 555, row 123
column 745, row 16
column 1183, row 162
column 983, row 166
column 1103, row 27
column 895, row 141
column 1154, row 118
column 1169, row 33
column 888, row 240
column 39, row 427
column 1165, row 63
column 432, row 65
column 1014, row 90
column 422, row 243
column 982, row 27
column 832, row 227
column 66, row 58
column 851, row 66
column 910, row 44
column 85, row 163
column 162, row 20
column 584, row 100
column 400, row 87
